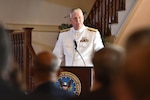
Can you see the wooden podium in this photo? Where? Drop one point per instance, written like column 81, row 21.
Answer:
column 84, row 74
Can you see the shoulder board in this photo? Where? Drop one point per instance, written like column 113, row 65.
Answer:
column 92, row 29
column 65, row 30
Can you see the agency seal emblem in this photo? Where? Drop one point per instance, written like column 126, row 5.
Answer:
column 70, row 82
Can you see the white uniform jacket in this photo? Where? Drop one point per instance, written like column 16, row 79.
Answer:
column 88, row 41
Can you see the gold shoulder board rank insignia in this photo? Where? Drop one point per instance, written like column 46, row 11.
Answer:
column 92, row 29
column 64, row 30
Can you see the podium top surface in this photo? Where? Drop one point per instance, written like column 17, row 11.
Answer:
column 76, row 66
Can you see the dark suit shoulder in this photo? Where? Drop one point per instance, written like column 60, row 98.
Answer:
column 49, row 91
column 95, row 95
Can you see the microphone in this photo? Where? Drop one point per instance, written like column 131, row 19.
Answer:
column 75, row 43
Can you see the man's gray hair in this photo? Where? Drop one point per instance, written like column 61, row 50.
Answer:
column 75, row 10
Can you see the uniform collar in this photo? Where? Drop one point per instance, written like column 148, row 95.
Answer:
column 80, row 30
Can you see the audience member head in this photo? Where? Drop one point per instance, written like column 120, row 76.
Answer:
column 138, row 38
column 76, row 18
column 6, row 92
column 4, row 50
column 13, row 76
column 136, row 74
column 106, row 62
column 45, row 67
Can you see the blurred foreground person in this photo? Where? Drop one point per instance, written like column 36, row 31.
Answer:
column 13, row 76
column 45, row 73
column 140, row 37
column 6, row 92
column 106, row 62
column 134, row 83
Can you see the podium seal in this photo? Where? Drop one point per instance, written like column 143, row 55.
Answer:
column 69, row 82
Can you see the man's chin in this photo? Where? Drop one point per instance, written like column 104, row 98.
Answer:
column 78, row 27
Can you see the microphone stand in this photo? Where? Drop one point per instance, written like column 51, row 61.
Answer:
column 75, row 43
column 73, row 58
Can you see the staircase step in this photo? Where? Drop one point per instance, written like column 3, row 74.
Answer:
column 103, row 14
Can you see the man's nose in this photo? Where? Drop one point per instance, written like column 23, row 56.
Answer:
column 78, row 20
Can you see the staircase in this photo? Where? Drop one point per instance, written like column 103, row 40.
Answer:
column 103, row 14
column 122, row 17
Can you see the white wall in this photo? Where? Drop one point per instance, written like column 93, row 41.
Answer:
column 86, row 5
column 122, row 16
column 44, row 41
column 40, row 12
column 35, row 11
column 138, row 18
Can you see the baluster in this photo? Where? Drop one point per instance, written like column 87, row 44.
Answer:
column 12, row 44
column 122, row 4
column 19, row 55
column 21, row 50
column 26, row 53
column 98, row 16
column 103, row 14
column 15, row 47
column 109, row 18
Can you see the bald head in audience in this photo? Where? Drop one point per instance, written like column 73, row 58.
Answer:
column 45, row 74
column 45, row 67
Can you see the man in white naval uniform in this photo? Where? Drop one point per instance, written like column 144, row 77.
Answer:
column 78, row 44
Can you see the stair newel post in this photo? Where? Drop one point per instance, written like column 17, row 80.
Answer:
column 27, row 57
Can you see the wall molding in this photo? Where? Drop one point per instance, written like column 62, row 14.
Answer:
column 37, row 28
column 47, row 47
